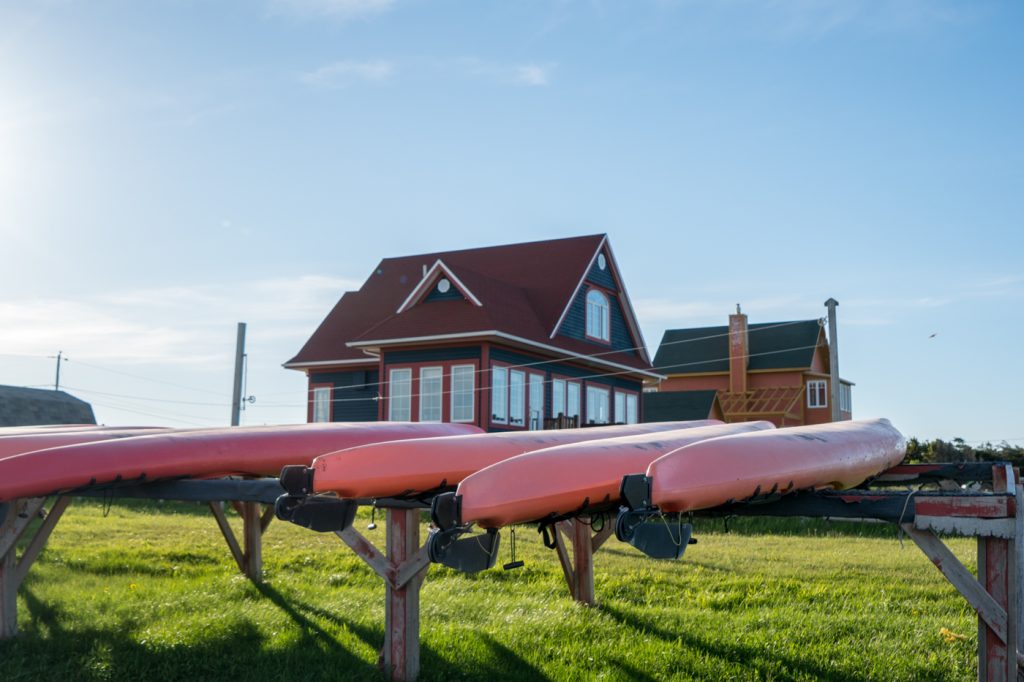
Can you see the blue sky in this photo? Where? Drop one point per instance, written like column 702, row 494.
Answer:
column 170, row 168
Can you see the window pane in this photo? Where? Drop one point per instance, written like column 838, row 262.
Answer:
column 517, row 398
column 499, row 395
column 462, row 393
column 536, row 401
column 322, row 404
column 597, row 315
column 400, row 396
column 430, row 394
column 572, row 391
column 620, row 407
column 557, row 397
column 631, row 411
column 597, row 405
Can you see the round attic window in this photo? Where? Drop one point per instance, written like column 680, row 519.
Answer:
column 601, row 262
column 443, row 285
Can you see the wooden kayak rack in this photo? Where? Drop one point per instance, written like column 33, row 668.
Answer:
column 994, row 516
column 16, row 518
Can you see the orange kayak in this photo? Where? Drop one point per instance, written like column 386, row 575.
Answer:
column 252, row 451
column 572, row 479
column 746, row 465
column 417, row 466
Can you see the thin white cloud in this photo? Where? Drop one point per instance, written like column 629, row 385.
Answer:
column 533, row 75
column 529, row 75
column 345, row 73
column 340, row 10
column 173, row 325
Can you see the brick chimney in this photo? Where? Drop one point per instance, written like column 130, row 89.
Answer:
column 738, row 350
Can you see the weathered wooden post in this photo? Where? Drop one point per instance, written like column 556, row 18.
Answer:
column 402, row 602
column 583, row 558
column 8, row 568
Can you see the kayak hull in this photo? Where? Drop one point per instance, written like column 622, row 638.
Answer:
column 574, row 478
column 743, row 466
column 247, row 451
column 418, row 466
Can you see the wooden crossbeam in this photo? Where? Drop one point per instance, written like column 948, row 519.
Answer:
column 34, row 547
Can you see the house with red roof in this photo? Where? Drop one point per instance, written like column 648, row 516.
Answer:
column 505, row 337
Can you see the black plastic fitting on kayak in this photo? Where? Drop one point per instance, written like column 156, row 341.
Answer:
column 297, row 479
column 653, row 534
column 446, row 511
column 320, row 513
column 635, row 491
column 469, row 554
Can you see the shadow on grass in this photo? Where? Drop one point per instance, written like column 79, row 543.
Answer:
column 735, row 653
column 49, row 650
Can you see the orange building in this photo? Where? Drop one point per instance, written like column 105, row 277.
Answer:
column 777, row 371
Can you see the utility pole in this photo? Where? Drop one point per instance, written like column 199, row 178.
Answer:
column 236, row 397
column 833, row 358
column 56, row 383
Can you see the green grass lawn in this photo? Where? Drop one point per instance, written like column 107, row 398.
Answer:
column 150, row 591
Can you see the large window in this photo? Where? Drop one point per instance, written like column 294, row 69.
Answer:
column 499, row 395
column 572, row 399
column 846, row 397
column 400, row 395
column 817, row 393
column 632, row 413
column 536, row 415
column 430, row 394
column 625, row 407
column 557, row 397
column 322, row 404
column 516, row 398
column 598, row 313
column 462, row 393
column 597, row 405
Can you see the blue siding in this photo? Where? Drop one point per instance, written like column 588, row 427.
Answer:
column 431, row 354
column 354, row 394
column 574, row 326
column 603, row 278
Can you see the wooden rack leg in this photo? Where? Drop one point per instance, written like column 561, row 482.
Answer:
column 252, row 531
column 583, row 557
column 8, row 580
column 403, row 569
column 17, row 516
column 579, row 571
column 402, row 604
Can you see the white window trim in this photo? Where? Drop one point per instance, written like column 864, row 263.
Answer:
column 391, row 392
column 320, row 404
column 812, row 393
column 577, row 409
column 531, row 380
column 472, row 392
column 608, row 400
column 521, row 404
column 440, row 393
column 559, row 405
column 604, row 332
column 495, row 417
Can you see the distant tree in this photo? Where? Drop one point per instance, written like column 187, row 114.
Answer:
column 958, row 450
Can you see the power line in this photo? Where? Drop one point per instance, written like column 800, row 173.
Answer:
column 477, row 389
column 139, row 397
column 612, row 352
column 155, row 381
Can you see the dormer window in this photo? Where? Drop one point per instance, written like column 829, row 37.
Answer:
column 598, row 314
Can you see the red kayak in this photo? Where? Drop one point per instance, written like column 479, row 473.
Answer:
column 251, row 451
column 743, row 466
column 572, row 479
column 416, row 466
column 27, row 441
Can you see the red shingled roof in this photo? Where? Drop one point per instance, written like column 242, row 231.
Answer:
column 524, row 289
